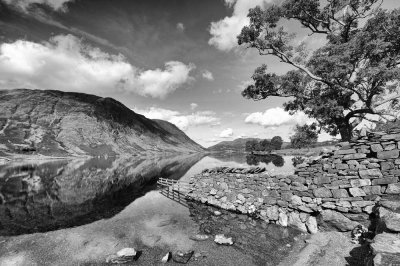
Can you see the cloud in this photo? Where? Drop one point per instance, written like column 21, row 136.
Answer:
column 275, row 117
column 180, row 27
column 159, row 83
column 182, row 121
column 225, row 31
column 207, row 75
column 58, row 5
column 193, row 106
column 66, row 63
column 226, row 133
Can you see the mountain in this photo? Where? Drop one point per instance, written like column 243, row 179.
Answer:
column 234, row 145
column 57, row 123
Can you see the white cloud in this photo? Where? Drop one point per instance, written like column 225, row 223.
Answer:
column 159, row 83
column 182, row 121
column 193, row 106
column 225, row 31
column 207, row 75
column 180, row 27
column 226, row 133
column 276, row 117
column 58, row 5
column 65, row 63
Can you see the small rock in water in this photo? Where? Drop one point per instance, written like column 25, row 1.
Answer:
column 166, row 258
column 182, row 257
column 199, row 237
column 123, row 256
column 217, row 213
column 223, row 240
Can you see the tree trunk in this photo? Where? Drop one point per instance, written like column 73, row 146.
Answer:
column 345, row 129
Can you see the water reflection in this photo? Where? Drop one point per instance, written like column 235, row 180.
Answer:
column 43, row 196
column 276, row 160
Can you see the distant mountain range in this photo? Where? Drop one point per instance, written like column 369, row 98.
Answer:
column 56, row 123
column 233, row 145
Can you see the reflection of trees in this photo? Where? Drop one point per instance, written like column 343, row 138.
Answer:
column 277, row 160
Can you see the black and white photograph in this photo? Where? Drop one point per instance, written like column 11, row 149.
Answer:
column 200, row 132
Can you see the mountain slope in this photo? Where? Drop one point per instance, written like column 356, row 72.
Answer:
column 63, row 123
column 233, row 145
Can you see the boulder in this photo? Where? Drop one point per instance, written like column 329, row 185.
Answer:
column 295, row 221
column 393, row 188
column 390, row 219
column 386, row 243
column 337, row 220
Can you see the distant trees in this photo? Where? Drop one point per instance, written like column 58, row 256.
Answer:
column 264, row 145
column 304, row 136
column 276, row 159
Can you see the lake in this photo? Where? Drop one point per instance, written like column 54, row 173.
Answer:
column 42, row 196
column 91, row 195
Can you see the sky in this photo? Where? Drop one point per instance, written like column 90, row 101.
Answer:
column 176, row 60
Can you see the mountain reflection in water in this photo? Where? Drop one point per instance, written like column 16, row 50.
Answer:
column 44, row 196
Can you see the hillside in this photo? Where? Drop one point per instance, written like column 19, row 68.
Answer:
column 234, row 145
column 56, row 123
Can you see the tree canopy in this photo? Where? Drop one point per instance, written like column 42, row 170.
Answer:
column 304, row 136
column 264, row 145
column 353, row 77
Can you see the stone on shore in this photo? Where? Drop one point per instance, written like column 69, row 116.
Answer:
column 337, row 220
column 182, row 257
column 223, row 240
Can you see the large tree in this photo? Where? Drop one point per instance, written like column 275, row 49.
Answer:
column 352, row 77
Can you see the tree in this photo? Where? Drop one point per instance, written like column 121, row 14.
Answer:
column 265, row 145
column 353, row 77
column 251, row 145
column 304, row 136
column 276, row 142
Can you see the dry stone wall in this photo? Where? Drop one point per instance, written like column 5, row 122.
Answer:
column 339, row 189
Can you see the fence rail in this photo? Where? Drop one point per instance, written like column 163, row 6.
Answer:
column 174, row 185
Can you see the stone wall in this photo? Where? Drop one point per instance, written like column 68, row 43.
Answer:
column 339, row 189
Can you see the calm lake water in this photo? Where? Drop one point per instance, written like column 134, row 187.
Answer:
column 44, row 196
column 95, row 196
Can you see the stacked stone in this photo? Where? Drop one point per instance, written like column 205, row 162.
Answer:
column 341, row 186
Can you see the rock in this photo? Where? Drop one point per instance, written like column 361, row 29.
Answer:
column 370, row 173
column 311, row 225
column 182, row 257
column 222, row 240
column 199, row 237
column 354, row 156
column 342, row 152
column 166, row 258
column 386, row 243
column 322, row 193
column 123, row 256
column 391, row 219
column 388, row 154
column 213, row 191
column 217, row 213
column 391, row 205
column 340, row 193
column 337, row 220
column 283, row 219
column 360, row 182
column 357, row 192
column 295, row 221
column 296, row 200
column 393, row 188
column 384, row 181
column 376, row 147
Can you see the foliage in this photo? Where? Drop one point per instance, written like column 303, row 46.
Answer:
column 298, row 160
column 264, row 145
column 276, row 142
column 304, row 136
column 276, row 160
column 353, row 77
